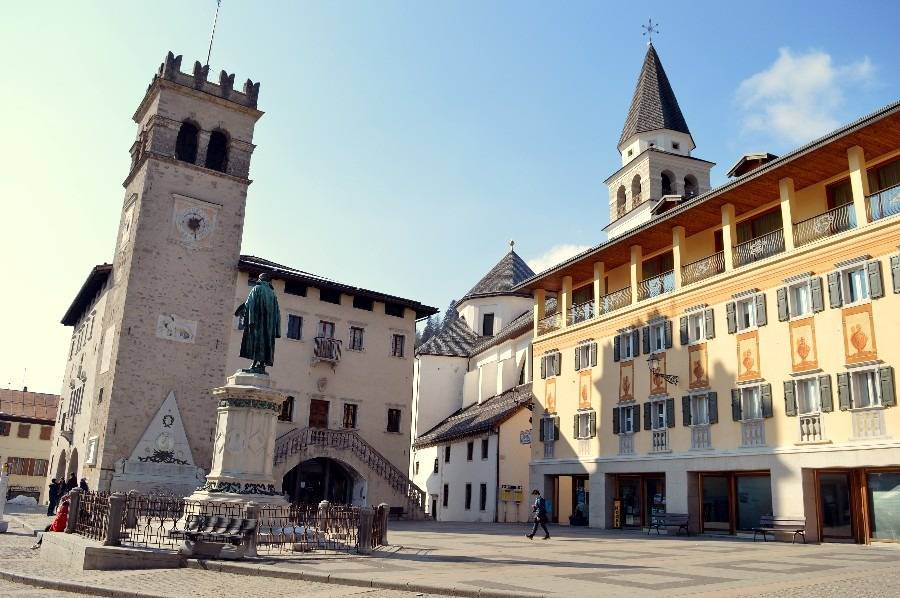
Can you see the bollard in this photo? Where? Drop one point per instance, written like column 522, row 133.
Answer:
column 383, row 510
column 322, row 516
column 131, row 511
column 114, row 519
column 366, row 529
column 251, row 511
column 74, row 509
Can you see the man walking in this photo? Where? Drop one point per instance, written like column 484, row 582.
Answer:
column 539, row 512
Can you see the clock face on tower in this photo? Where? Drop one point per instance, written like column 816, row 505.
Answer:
column 194, row 221
column 193, row 225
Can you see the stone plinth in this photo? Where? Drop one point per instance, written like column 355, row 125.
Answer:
column 244, row 448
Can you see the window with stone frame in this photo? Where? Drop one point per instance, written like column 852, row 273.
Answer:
column 287, row 410
column 294, row 327
column 393, row 423
column 807, row 395
column 398, row 342
column 350, row 413
column 4, row 428
column 46, row 432
column 699, row 410
column 356, row 338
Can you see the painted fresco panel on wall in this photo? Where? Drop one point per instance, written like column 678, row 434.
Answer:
column 859, row 334
column 584, row 389
column 699, row 372
column 748, row 356
column 626, row 381
column 550, row 395
column 804, row 356
column 658, row 383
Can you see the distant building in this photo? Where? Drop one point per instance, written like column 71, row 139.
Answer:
column 26, row 428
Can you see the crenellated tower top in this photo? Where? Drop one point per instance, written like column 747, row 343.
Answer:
column 170, row 70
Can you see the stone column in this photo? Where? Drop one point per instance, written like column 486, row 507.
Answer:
column 540, row 304
column 244, row 448
column 728, row 235
column 366, row 527
column 859, row 183
column 677, row 253
column 786, row 193
column 251, row 511
column 383, row 510
column 565, row 301
column 74, row 509
column 114, row 519
column 599, row 290
column 637, row 258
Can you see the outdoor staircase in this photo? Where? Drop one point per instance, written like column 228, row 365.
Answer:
column 299, row 440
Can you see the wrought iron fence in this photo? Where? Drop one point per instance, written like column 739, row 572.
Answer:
column 703, row 268
column 884, row 203
column 826, row 224
column 581, row 312
column 92, row 518
column 327, row 349
column 549, row 323
column 656, row 285
column 759, row 248
column 615, row 300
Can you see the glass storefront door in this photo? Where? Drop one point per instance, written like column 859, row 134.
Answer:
column 630, row 495
column 884, row 505
column 834, row 505
column 716, row 497
column 655, row 498
column 754, row 499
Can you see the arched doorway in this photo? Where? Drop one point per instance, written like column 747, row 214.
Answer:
column 61, row 466
column 323, row 479
column 73, row 463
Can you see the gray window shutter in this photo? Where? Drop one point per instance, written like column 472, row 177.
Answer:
column 815, row 293
column 843, row 383
column 834, row 290
column 761, row 317
column 709, row 316
column 713, row 404
column 668, row 327
column 541, row 430
column 575, row 427
column 556, row 427
column 637, row 417
column 593, row 355
column 648, row 420
column 686, row 410
column 577, row 359
column 683, row 330
column 593, row 431
column 730, row 317
column 543, row 367
column 876, row 282
column 735, row 404
column 636, row 340
column 895, row 272
column 886, row 375
column 781, row 295
column 646, row 340
column 825, row 398
column 765, row 396
column 617, row 349
column 615, row 420
column 670, row 413
column 790, row 401
column 558, row 362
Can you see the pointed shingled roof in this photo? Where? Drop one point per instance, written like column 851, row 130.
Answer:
column 653, row 105
column 509, row 272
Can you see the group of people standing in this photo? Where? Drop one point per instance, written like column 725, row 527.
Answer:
column 59, row 488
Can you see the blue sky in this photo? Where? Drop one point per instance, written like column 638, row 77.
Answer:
column 404, row 143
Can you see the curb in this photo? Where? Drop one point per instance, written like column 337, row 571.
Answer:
column 13, row 519
column 71, row 586
column 258, row 571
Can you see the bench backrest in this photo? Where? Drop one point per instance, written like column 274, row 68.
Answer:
column 787, row 522
column 195, row 522
column 676, row 517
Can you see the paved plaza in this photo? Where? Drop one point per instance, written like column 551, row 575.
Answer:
column 495, row 559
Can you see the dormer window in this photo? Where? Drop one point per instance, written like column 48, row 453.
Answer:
column 676, row 145
column 487, row 325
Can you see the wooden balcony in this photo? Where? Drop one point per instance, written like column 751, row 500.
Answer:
column 656, row 285
column 615, row 300
column 327, row 349
column 759, row 248
column 703, row 268
column 883, row 204
column 582, row 312
column 824, row 225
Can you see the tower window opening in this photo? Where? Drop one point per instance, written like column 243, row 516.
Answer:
column 691, row 188
column 186, row 142
column 666, row 180
column 217, row 151
column 620, row 201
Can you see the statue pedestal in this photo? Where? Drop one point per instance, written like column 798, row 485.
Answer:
column 244, row 449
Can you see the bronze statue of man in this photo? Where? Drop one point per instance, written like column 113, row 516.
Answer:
column 262, row 325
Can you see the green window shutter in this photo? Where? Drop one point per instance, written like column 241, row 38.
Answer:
column 593, row 424
column 648, row 421
column 577, row 358
column 886, row 377
column 593, row 355
column 557, row 362
column 895, row 272
column 683, row 330
column 782, row 297
column 709, row 316
column 731, row 317
column 637, row 417
column 790, row 401
column 686, row 410
column 668, row 328
column 876, row 282
column 834, row 290
column 713, row 405
column 543, row 367
column 735, row 404
column 765, row 396
column 617, row 348
column 575, row 428
column 844, row 400
column 825, row 398
column 556, row 427
column 816, row 295
column 670, row 413
column 761, row 317
column 646, row 340
column 636, row 341
column 615, row 420
column 541, row 430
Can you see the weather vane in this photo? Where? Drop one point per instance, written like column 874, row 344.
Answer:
column 649, row 29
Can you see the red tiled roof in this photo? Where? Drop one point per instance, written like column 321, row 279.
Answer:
column 34, row 405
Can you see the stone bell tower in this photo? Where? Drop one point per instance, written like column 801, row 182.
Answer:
column 165, row 330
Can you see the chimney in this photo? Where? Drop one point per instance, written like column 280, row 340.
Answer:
column 750, row 162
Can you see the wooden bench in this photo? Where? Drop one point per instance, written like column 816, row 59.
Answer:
column 677, row 520
column 396, row 513
column 207, row 535
column 769, row 524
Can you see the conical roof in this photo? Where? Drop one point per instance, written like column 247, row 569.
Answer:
column 653, row 105
column 509, row 272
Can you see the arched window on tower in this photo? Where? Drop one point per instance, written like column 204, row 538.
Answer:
column 620, row 202
column 636, row 191
column 217, row 151
column 666, row 178
column 691, row 189
column 186, row 143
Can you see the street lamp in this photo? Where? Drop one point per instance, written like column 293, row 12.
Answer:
column 653, row 364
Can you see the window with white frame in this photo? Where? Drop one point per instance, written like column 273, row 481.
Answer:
column 548, row 429
column 398, row 342
column 806, row 391
column 799, row 299
column 864, row 389
column 585, row 424
column 356, row 338
column 551, row 364
column 657, row 337
column 628, row 345
column 751, row 405
column 626, row 419
column 696, row 327
column 854, row 284
column 583, row 355
column 699, row 410
column 658, row 415
column 745, row 313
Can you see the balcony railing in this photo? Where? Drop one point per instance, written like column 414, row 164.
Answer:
column 327, row 349
column 824, row 225
column 759, row 248
column 660, row 441
column 703, row 268
column 656, row 285
column 700, row 437
column 621, row 211
column 615, row 300
column 868, row 423
column 626, row 444
column 581, row 312
column 884, row 203
column 549, row 450
column 549, row 323
column 753, row 433
column 811, row 428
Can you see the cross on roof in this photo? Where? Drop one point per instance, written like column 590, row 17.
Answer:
column 649, row 29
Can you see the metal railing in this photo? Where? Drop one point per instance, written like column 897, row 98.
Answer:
column 703, row 268
column 811, row 428
column 883, row 204
column 92, row 518
column 656, row 285
column 759, row 248
column 327, row 349
column 581, row 312
column 615, row 300
column 826, row 224
column 549, row 323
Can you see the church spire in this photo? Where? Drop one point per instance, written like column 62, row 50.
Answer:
column 653, row 105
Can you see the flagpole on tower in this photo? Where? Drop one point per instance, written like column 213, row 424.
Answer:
column 213, row 34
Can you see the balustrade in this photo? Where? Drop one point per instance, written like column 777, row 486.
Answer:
column 626, row 444
column 811, row 428
column 660, row 441
column 549, row 450
column 615, row 300
column 581, row 312
column 868, row 423
column 656, row 285
column 824, row 225
column 753, row 433
column 703, row 268
column 549, row 323
column 759, row 248
column 700, row 437
column 884, row 203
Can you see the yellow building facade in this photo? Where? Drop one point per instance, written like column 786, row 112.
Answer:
column 732, row 355
column 26, row 427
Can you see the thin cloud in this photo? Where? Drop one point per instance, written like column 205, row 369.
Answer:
column 799, row 96
column 555, row 255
